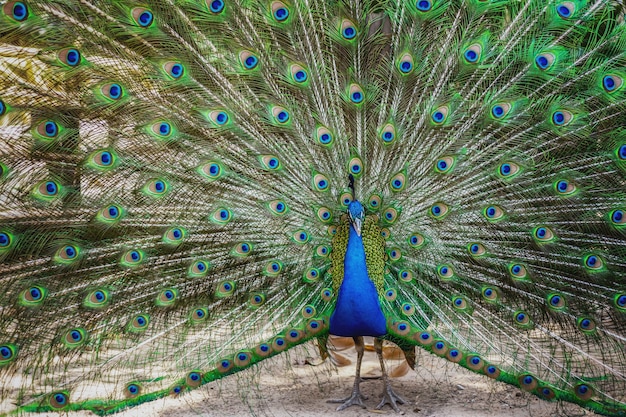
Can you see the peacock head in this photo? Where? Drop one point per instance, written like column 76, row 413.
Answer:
column 357, row 214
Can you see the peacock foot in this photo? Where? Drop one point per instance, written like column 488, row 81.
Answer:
column 391, row 398
column 355, row 399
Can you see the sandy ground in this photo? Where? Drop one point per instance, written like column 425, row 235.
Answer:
column 289, row 386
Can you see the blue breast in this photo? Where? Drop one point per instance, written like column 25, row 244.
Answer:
column 357, row 312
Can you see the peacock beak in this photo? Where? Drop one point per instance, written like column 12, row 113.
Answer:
column 356, row 223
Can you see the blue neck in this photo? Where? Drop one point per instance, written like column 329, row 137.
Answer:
column 357, row 312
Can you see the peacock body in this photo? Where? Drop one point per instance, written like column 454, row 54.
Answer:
column 190, row 187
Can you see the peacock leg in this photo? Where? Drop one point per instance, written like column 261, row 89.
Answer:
column 389, row 397
column 356, row 398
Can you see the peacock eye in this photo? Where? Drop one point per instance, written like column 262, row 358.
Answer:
column 216, row 6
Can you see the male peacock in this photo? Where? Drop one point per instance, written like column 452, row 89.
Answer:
column 190, row 187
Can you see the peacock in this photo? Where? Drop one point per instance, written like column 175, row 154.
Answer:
column 190, row 187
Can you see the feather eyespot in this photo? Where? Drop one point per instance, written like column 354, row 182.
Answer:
column 324, row 215
column 440, row 115
column 394, row 254
column 174, row 69
column 611, row 83
column 219, row 118
column 474, row 362
column 424, row 338
column 439, row 210
column 167, row 297
column 58, row 400
column 543, row 234
column 473, row 53
column 355, row 167
column 320, row 182
column 301, row 236
column 280, row 12
column 67, row 255
column 388, row 134
column 221, row 216
column 97, row 299
column 308, row 311
column 405, row 64
column 390, row 215
column 527, row 382
column 522, row 319
column 566, row 9
column 298, row 74
column 327, row 295
column 405, row 275
column 132, row 390
column 345, row 199
column 256, row 300
column 225, row 289
column 556, row 302
column 398, row 182
column 508, row 170
column 586, row 324
column 74, row 338
column 16, row 10
column 445, row 272
column 139, row 323
column 493, row 213
column 444, row 165
column 110, row 214
column 279, row 344
column 311, row 275
column 593, row 262
column 33, row 296
column 322, row 251
column 356, row 94
column 142, row 16
column 324, row 136
column 211, row 170
column 6, row 240
column 544, row 61
column 408, row 309
column 348, row 30
column 617, row 217
column 281, row 115
column 193, row 379
column 132, row 258
column 112, row 91
column 199, row 314
column 174, row 236
column 518, row 271
column 273, row 268
column 263, row 350
column 423, row 5
column 374, row 202
column 562, row 117
column 476, row 250
column 216, row 6
column 584, row 391
column 439, row 347
column 490, row 294
column 48, row 129
column 390, row 294
column 47, row 191
column 242, row 359
column 500, row 110
column 8, row 353
column 198, row 269
column 69, row 56
column 492, row 371
column 248, row 60
column 156, row 188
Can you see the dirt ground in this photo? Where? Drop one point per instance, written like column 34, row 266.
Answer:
column 289, row 385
